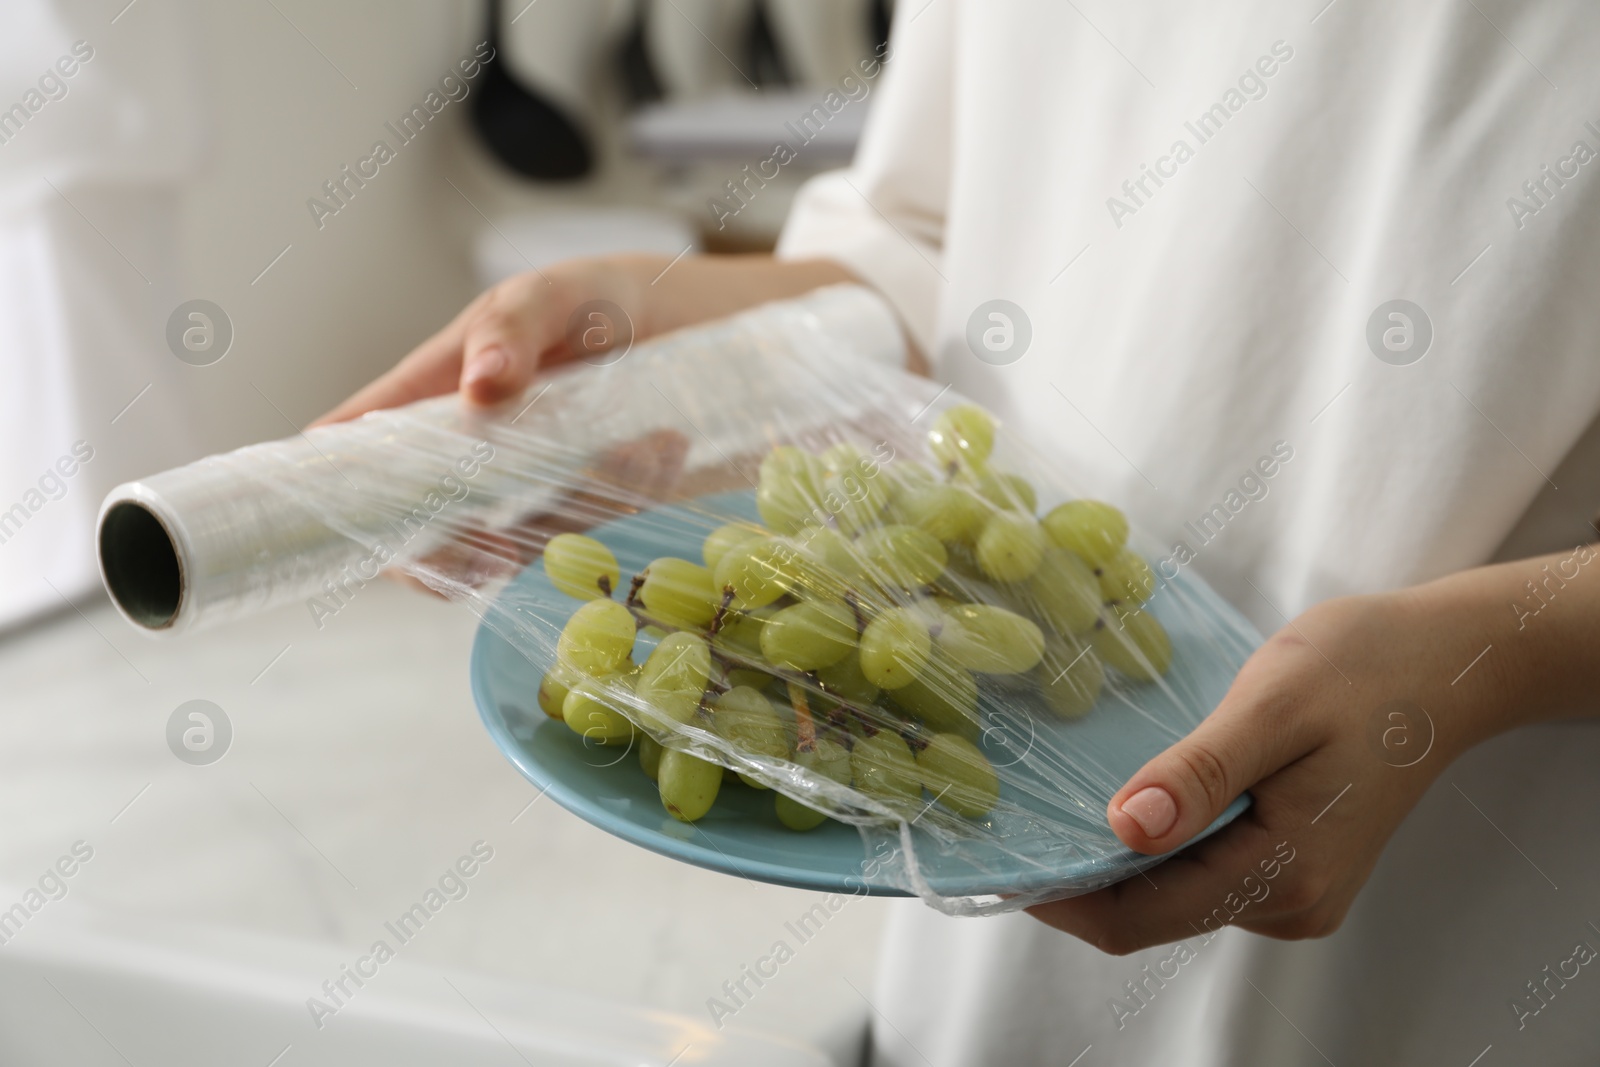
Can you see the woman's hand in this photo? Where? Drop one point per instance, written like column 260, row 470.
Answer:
column 1336, row 726
column 495, row 347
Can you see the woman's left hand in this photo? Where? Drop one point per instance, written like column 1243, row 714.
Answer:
column 1336, row 726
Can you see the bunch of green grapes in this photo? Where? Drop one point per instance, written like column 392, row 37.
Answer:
column 842, row 642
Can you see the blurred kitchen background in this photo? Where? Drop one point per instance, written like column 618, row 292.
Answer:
column 179, row 162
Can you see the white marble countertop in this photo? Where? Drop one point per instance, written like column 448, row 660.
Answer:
column 357, row 773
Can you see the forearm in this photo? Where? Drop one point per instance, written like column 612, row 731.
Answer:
column 1526, row 636
column 663, row 295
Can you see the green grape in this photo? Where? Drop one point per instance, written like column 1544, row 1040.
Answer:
column 1001, row 488
column 795, row 815
column 894, row 648
column 679, row 593
column 932, row 609
column 845, row 460
column 882, row 766
column 597, row 638
column 1127, row 578
column 944, row 696
column 948, row 512
column 740, row 633
column 826, row 564
column 964, row 432
column 785, row 508
column 674, row 678
column 753, row 677
column 553, row 688
column 1134, row 643
column 1070, row 676
column 810, row 634
column 688, row 784
column 1019, row 492
column 1010, row 547
column 982, row 637
column 749, row 677
column 758, row 571
column 790, row 463
column 854, row 515
column 826, row 546
column 962, row 562
column 679, row 660
column 903, row 478
column 829, row 760
column 720, row 540
column 959, row 775
column 903, row 556
column 844, row 457
column 739, row 642
column 789, row 488
column 580, row 566
column 852, row 493
column 1065, row 592
column 649, row 756
column 745, row 719
column 845, row 681
column 1088, row 528
column 594, row 709
column 739, row 639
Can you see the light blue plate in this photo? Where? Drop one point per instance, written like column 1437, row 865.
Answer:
column 742, row 836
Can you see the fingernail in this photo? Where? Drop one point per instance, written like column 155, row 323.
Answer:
column 490, row 363
column 1153, row 809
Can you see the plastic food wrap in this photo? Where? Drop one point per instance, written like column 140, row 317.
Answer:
column 762, row 557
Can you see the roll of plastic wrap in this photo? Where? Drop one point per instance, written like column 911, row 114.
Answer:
column 270, row 524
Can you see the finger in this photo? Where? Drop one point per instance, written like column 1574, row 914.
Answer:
column 1180, row 792
column 1293, row 926
column 1197, row 891
column 477, row 558
column 430, row 369
column 1315, row 905
column 506, row 338
column 411, row 582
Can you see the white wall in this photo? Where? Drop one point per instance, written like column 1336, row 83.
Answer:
column 351, row 298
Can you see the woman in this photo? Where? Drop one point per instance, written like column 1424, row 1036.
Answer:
column 1359, row 241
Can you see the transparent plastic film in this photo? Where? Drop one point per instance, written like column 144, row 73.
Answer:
column 759, row 556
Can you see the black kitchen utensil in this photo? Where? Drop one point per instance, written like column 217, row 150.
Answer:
column 526, row 131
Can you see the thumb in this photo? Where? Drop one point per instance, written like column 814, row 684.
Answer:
column 505, row 339
column 1178, row 793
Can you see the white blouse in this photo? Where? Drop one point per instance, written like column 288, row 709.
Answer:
column 1362, row 240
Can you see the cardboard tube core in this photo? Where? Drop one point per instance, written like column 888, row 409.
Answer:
column 140, row 564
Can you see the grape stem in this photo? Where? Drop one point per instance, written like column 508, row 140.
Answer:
column 869, row 727
column 633, row 590
column 722, row 612
column 839, row 722
column 855, row 609
column 805, row 725
column 912, row 736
